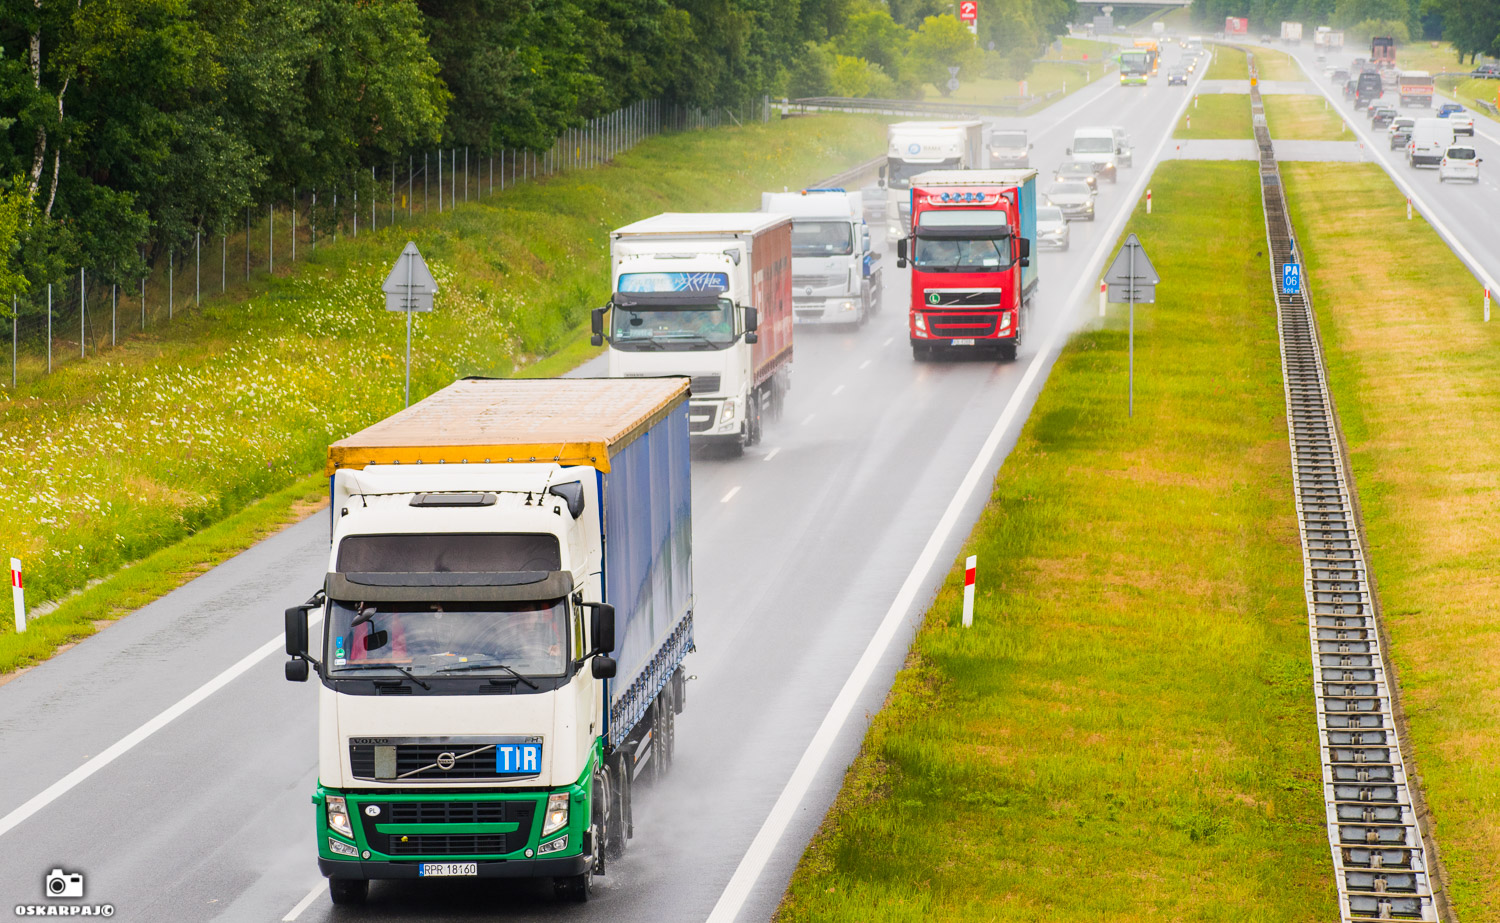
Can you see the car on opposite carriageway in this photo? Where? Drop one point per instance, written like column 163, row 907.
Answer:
column 1177, row 76
column 1076, row 171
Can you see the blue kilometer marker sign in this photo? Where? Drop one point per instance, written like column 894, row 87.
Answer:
column 1291, row 278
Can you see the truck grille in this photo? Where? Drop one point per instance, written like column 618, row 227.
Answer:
column 812, row 280
column 701, row 417
column 961, row 325
column 421, row 760
column 980, row 298
column 705, row 384
column 521, row 812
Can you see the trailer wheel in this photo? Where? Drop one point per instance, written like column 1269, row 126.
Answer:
column 348, row 892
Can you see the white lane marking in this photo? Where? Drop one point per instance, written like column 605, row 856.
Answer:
column 730, row 496
column 303, row 904
column 837, row 390
column 808, row 419
column 888, row 341
column 864, row 365
column 771, row 454
column 1451, row 239
column 70, row 781
column 754, row 862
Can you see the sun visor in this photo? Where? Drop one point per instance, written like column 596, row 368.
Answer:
column 516, row 586
column 965, row 232
column 666, row 301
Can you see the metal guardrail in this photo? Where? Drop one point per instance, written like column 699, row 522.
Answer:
column 1380, row 857
column 1011, row 105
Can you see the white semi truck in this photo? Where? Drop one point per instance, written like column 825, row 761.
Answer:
column 916, row 147
column 836, row 277
column 1291, row 33
column 708, row 296
column 500, row 634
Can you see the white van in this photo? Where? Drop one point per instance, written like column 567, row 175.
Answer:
column 1430, row 139
column 1098, row 147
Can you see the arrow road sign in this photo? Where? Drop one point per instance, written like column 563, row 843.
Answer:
column 1291, row 278
column 410, row 285
column 1131, row 277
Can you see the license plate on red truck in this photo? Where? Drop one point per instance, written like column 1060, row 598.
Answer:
column 968, row 342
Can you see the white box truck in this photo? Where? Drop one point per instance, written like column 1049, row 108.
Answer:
column 916, row 147
column 508, row 603
column 708, row 296
column 836, row 277
column 1291, row 33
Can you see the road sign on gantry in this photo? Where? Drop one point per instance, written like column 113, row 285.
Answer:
column 1131, row 277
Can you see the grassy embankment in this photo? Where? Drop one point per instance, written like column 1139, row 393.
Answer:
column 1064, row 71
column 180, row 432
column 1226, row 62
column 1126, row 733
column 1412, row 366
column 1277, row 65
column 1305, row 118
column 1216, row 116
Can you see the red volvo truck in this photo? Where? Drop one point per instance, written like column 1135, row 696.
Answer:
column 972, row 274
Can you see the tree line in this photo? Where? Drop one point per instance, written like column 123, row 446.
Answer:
column 1473, row 26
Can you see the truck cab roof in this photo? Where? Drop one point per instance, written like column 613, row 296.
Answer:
column 815, row 203
column 701, row 224
column 973, row 177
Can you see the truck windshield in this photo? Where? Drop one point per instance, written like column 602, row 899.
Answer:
column 962, row 255
column 822, row 238
column 1009, row 140
column 710, row 326
column 1098, row 145
column 530, row 638
column 899, row 172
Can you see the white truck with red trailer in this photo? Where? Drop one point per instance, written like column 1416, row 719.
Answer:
column 709, row 296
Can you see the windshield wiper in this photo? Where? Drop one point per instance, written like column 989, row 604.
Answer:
column 383, row 666
column 463, row 667
column 692, row 336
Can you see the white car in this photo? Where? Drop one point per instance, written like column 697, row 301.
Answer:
column 1052, row 228
column 1463, row 123
column 1460, row 162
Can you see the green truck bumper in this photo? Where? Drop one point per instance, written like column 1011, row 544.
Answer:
column 384, row 834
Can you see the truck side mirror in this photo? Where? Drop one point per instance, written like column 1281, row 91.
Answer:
column 1068, row 151
column 596, row 325
column 296, row 639
column 1024, row 247
column 752, row 323
column 882, row 176
column 603, row 628
column 901, row 253
column 603, row 667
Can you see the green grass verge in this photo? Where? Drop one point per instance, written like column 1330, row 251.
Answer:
column 1412, row 366
column 1217, row 116
column 1276, row 65
column 1305, row 118
column 1065, row 71
column 1127, row 732
column 111, row 460
column 1226, row 62
column 1470, row 92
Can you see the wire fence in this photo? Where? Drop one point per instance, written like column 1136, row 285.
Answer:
column 85, row 312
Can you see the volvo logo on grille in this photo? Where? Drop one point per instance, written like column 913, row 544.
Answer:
column 445, row 761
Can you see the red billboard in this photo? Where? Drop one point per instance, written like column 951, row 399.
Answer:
column 968, row 10
column 1236, row 26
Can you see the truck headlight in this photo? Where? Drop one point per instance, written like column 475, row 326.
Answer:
column 551, row 846
column 920, row 323
column 557, row 813
column 727, row 413
column 337, row 845
column 846, row 306
column 338, row 815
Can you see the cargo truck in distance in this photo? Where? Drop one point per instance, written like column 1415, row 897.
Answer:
column 1415, row 88
column 501, row 631
column 1327, row 39
column 917, row 147
column 836, row 277
column 709, row 296
column 1291, row 33
column 1383, row 50
column 972, row 275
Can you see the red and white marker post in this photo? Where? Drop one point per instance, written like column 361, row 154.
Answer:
column 1486, row 304
column 1103, row 296
column 1408, row 208
column 18, row 594
column 969, row 567
column 1148, row 201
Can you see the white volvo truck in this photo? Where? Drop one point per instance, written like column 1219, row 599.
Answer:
column 917, row 147
column 708, row 296
column 836, row 277
column 500, row 634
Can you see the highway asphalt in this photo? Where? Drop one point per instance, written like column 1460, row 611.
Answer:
column 168, row 761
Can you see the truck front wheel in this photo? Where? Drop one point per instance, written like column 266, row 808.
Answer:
column 348, row 892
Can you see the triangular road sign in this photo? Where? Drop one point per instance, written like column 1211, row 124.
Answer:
column 1132, row 266
column 410, row 270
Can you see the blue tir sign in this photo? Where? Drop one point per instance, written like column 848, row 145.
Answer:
column 518, row 759
column 1291, row 278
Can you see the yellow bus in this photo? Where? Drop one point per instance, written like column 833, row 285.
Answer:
column 1153, row 51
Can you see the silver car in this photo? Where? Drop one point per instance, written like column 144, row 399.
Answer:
column 1075, row 199
column 1051, row 228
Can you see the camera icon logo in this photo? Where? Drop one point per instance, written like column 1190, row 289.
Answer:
column 64, row 884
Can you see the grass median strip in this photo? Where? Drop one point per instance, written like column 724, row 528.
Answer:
column 1216, row 116
column 109, row 461
column 1411, row 365
column 1305, row 118
column 1127, row 732
column 1276, row 65
column 1227, row 63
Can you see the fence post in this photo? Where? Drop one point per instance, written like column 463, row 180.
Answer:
column 466, row 173
column 223, row 259
column 198, row 267
column 440, row 180
column 114, row 311
column 356, row 214
column 294, row 224
column 143, row 302
column 247, row 243
column 453, row 178
column 15, row 312
column 83, row 316
column 171, row 291
column 49, row 328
